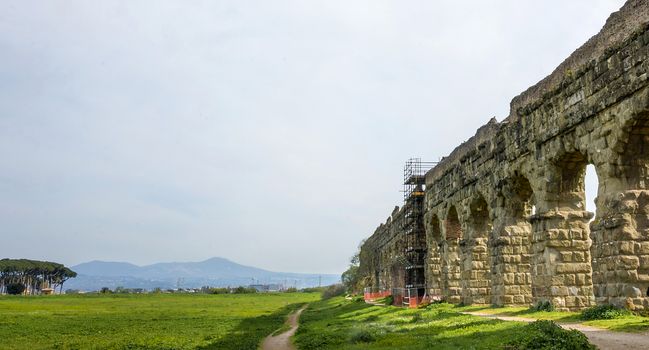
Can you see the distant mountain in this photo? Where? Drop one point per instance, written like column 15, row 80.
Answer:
column 106, row 268
column 216, row 272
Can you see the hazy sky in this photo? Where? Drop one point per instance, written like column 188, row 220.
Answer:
column 272, row 133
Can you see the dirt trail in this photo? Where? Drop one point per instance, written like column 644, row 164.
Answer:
column 282, row 341
column 601, row 338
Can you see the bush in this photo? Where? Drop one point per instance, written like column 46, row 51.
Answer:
column 544, row 305
column 361, row 336
column 244, row 290
column 15, row 288
column 547, row 335
column 389, row 300
column 333, row 290
column 211, row 290
column 291, row 290
column 603, row 312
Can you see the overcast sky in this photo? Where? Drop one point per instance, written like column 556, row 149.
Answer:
column 272, row 133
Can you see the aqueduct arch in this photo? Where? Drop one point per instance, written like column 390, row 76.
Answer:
column 505, row 214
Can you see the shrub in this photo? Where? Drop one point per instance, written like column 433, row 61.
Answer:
column 291, row 290
column 244, row 290
column 212, row 290
column 547, row 335
column 15, row 288
column 361, row 336
column 603, row 312
column 389, row 300
column 544, row 305
column 333, row 290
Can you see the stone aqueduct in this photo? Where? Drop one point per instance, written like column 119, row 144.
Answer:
column 504, row 213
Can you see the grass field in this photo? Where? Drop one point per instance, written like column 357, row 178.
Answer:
column 342, row 324
column 147, row 321
column 338, row 323
column 629, row 323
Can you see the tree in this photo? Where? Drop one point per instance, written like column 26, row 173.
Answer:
column 15, row 288
column 34, row 275
column 351, row 277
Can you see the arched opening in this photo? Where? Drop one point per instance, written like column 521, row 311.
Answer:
column 571, row 185
column 511, row 244
column 561, row 256
column 435, row 231
column 476, row 278
column 451, row 269
column 624, row 222
column 453, row 227
column 591, row 188
column 635, row 159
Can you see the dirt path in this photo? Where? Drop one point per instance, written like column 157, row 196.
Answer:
column 602, row 338
column 283, row 341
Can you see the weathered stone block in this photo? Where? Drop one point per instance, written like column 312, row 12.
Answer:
column 572, row 267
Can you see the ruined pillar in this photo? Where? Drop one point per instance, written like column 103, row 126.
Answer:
column 620, row 232
column 621, row 251
column 561, row 260
column 561, row 269
column 510, row 269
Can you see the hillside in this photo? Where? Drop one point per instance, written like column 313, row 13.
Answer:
column 217, row 272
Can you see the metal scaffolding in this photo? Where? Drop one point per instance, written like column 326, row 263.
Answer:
column 414, row 184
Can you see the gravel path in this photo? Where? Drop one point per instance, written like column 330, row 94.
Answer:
column 282, row 341
column 603, row 339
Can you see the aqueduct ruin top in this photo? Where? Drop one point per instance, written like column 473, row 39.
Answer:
column 504, row 213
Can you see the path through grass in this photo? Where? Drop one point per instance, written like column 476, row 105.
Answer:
column 628, row 323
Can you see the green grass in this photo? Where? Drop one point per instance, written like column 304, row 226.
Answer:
column 148, row 321
column 342, row 324
column 627, row 323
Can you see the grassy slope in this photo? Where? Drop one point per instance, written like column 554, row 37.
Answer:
column 629, row 323
column 154, row 321
column 333, row 323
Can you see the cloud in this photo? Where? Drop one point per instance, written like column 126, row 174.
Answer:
column 270, row 133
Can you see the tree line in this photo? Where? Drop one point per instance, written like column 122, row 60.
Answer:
column 22, row 276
